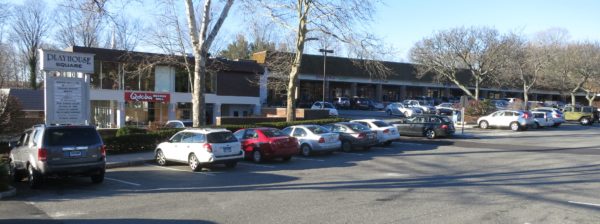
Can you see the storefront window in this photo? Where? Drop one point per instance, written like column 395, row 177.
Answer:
column 96, row 78
column 104, row 113
column 182, row 83
column 139, row 78
column 145, row 113
column 184, row 111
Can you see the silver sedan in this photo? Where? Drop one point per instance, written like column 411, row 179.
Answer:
column 313, row 138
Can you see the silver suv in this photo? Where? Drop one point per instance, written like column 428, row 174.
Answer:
column 43, row 151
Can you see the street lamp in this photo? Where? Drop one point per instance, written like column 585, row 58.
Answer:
column 324, row 51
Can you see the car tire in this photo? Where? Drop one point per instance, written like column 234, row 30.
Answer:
column 514, row 126
column 160, row 158
column 231, row 164
column 305, row 150
column 14, row 173
column 484, row 125
column 430, row 134
column 585, row 121
column 194, row 163
column 287, row 158
column 346, row 146
column 34, row 179
column 98, row 178
column 387, row 143
column 257, row 156
column 536, row 125
column 556, row 125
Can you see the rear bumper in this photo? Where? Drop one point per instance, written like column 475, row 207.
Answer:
column 326, row 146
column 223, row 159
column 365, row 142
column 281, row 152
column 71, row 169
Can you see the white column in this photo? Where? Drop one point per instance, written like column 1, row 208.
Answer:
column 172, row 113
column 120, row 114
column 216, row 112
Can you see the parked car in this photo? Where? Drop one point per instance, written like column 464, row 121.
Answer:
column 430, row 126
column 325, row 106
column 420, row 104
column 178, row 124
column 314, row 138
column 400, row 109
column 354, row 135
column 375, row 105
column 585, row 115
column 342, row 102
column 542, row 119
column 516, row 120
column 386, row 133
column 45, row 150
column 444, row 109
column 260, row 144
column 200, row 147
column 500, row 104
column 557, row 116
column 359, row 103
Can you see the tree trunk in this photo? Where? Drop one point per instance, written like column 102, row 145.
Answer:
column 198, row 105
column 572, row 98
column 525, row 97
column 293, row 82
column 477, row 90
column 32, row 72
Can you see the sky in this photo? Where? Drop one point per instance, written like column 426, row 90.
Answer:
column 401, row 23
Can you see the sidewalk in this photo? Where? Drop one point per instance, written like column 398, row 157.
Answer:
column 128, row 159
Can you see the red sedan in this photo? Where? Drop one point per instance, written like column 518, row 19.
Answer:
column 262, row 144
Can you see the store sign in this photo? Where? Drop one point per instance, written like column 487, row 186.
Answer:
column 66, row 61
column 66, row 100
column 147, row 97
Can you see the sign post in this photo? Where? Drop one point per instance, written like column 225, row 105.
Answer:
column 464, row 102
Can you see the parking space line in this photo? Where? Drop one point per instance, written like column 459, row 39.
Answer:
column 256, row 165
column 584, row 203
column 351, row 153
column 307, row 159
column 122, row 181
column 187, row 171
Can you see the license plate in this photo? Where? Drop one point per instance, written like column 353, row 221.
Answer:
column 75, row 153
column 331, row 139
column 226, row 149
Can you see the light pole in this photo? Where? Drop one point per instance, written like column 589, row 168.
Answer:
column 324, row 51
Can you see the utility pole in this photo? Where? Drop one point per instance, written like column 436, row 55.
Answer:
column 324, row 51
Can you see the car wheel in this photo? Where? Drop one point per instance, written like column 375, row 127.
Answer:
column 287, row 158
column 430, row 134
column 257, row 156
column 484, row 125
column 584, row 121
column 388, row 143
column 305, row 150
column 231, row 164
column 194, row 163
column 514, row 126
column 98, row 178
column 34, row 179
column 346, row 146
column 14, row 172
column 536, row 125
column 160, row 158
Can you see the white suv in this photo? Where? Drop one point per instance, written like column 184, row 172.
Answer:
column 325, row 106
column 199, row 147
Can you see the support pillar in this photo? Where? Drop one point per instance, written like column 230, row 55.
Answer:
column 402, row 93
column 425, row 91
column 379, row 92
column 446, row 92
column 121, row 114
column 172, row 113
column 353, row 89
column 216, row 113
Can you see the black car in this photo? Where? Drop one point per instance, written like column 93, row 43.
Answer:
column 360, row 103
column 428, row 125
column 353, row 135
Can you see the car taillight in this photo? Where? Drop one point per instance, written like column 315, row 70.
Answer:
column 362, row 135
column 386, row 131
column 207, row 147
column 525, row 115
column 444, row 126
column 556, row 115
column 103, row 150
column 42, row 154
column 322, row 140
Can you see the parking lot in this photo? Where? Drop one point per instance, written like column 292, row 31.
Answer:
column 549, row 175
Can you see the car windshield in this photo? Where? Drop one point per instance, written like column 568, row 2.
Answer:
column 71, row 137
column 317, row 129
column 273, row 133
column 357, row 127
column 380, row 124
column 221, row 137
column 328, row 105
column 188, row 124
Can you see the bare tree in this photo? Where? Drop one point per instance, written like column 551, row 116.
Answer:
column 80, row 23
column 480, row 51
column 306, row 19
column 565, row 72
column 202, row 39
column 10, row 110
column 588, row 65
column 30, row 26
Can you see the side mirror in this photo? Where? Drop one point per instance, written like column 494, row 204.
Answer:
column 12, row 145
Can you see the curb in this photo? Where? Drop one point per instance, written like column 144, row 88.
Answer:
column 113, row 165
column 11, row 192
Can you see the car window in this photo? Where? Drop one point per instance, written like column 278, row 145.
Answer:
column 299, row 132
column 538, row 115
column 177, row 138
column 420, row 120
column 339, row 128
column 358, row 127
column 198, row 138
column 317, row 129
column 188, row 124
column 22, row 139
column 587, row 110
column 170, row 125
column 497, row 114
column 287, row 131
column 187, row 138
column 250, row 134
column 71, row 137
column 221, row 137
column 272, row 132
column 381, row 124
column 239, row 134
column 509, row 114
column 435, row 120
column 328, row 105
column 446, row 119
column 317, row 105
column 363, row 123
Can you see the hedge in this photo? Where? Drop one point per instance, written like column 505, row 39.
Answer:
column 4, row 177
column 141, row 140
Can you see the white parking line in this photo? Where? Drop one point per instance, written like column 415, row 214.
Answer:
column 351, row 153
column 256, row 165
column 307, row 159
column 584, row 203
column 187, row 171
column 122, row 181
